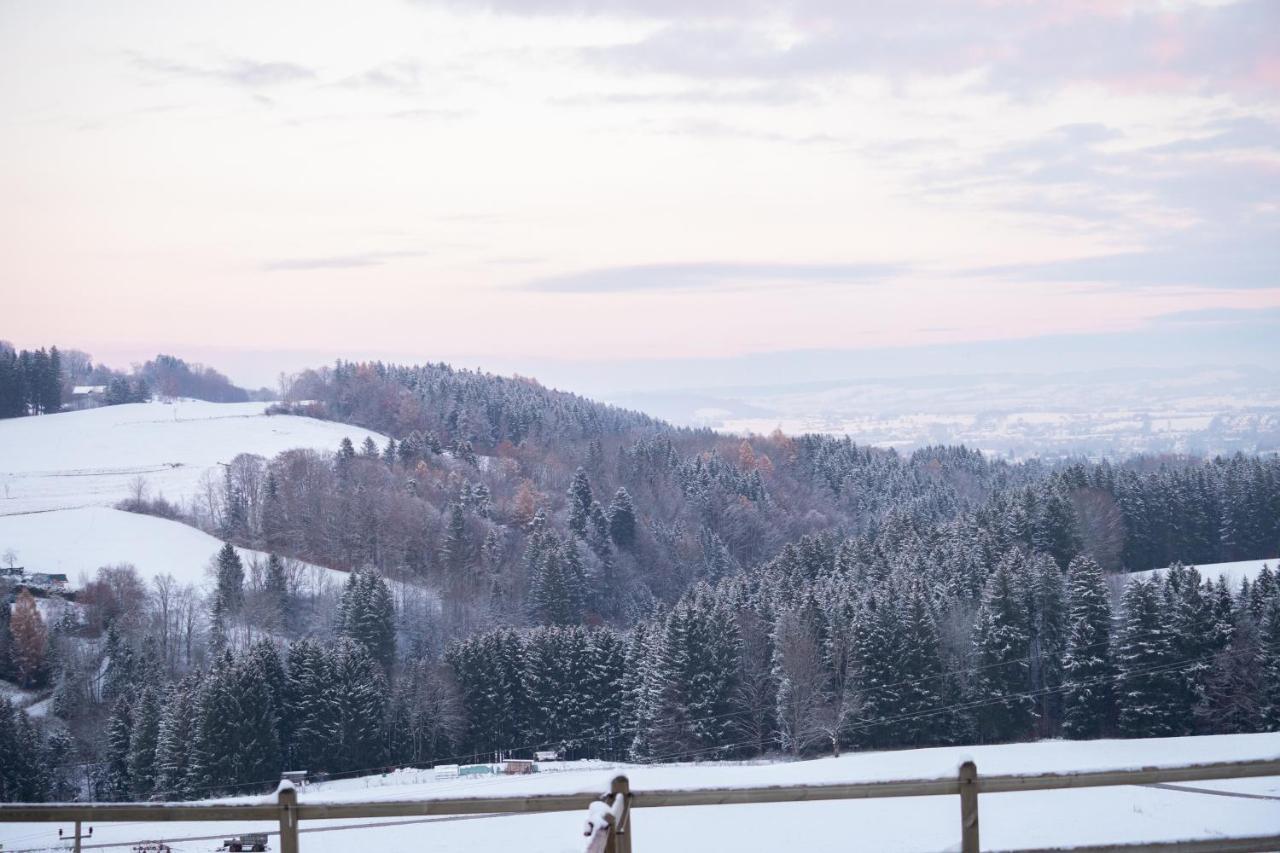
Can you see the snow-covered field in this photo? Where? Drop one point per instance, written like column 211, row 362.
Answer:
column 91, row 458
column 1029, row 819
column 79, row 541
column 60, row 474
column 1233, row 572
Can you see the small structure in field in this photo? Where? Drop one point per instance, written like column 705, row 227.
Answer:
column 519, row 767
column 446, row 771
column 476, row 770
column 51, row 581
column 87, row 397
column 297, row 777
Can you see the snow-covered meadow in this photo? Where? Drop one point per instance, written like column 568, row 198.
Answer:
column 93, row 457
column 79, row 541
column 61, row 474
column 1233, row 572
column 1028, row 819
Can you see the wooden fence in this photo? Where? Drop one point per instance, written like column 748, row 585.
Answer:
column 609, row 826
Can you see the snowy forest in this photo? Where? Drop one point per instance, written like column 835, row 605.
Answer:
column 527, row 570
column 37, row 382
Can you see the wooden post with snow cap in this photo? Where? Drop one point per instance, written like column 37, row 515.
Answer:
column 608, row 827
column 620, row 838
column 287, row 796
column 969, row 808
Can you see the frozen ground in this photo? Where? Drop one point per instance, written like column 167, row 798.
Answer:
column 60, row 474
column 78, row 541
column 91, row 458
column 1233, row 572
column 1088, row 816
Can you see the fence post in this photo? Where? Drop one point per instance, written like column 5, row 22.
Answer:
column 287, row 796
column 621, row 835
column 969, row 808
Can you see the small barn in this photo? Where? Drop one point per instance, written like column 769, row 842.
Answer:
column 519, row 767
column 87, row 396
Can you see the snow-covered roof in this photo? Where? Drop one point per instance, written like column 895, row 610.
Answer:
column 81, row 390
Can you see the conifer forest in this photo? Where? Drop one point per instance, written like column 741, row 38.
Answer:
column 527, row 570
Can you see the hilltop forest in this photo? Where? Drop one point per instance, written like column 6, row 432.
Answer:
column 530, row 569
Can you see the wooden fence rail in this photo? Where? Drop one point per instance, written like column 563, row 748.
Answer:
column 616, row 836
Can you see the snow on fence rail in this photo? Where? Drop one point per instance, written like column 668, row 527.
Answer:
column 609, row 829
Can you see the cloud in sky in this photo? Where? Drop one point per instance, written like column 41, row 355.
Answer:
column 1022, row 46
column 405, row 77
column 249, row 73
column 1239, row 264
column 918, row 171
column 335, row 262
column 717, row 276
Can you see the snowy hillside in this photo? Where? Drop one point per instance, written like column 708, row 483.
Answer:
column 91, row 458
column 60, row 474
column 1087, row 816
column 1233, row 572
column 76, row 541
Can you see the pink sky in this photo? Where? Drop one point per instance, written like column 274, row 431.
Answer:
column 524, row 180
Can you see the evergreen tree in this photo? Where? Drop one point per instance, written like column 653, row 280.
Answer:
column 1088, row 669
column 218, row 629
column 924, row 693
column 235, row 509
column 9, row 746
column 1269, row 664
column 1233, row 700
column 360, row 702
column 1001, row 650
column 557, row 669
column 1048, row 640
column 455, row 554
column 212, row 761
column 27, row 773
column 1147, row 661
column 229, row 576
column 276, row 592
column 1224, row 616
column 256, row 735
column 622, row 520
column 694, row 678
column 116, row 782
column 52, row 392
column 598, row 532
column 310, row 708
column 1263, row 590
column 641, row 688
column 1190, row 620
column 142, row 744
column 605, row 682
column 877, row 643
column 173, row 739
column 367, row 615
column 346, row 452
column 559, row 587
column 579, row 499
column 121, row 670
column 264, row 658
